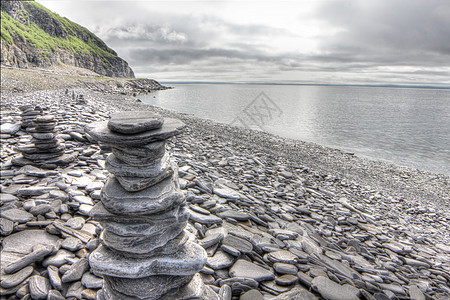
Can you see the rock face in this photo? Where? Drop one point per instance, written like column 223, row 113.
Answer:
column 146, row 253
column 33, row 36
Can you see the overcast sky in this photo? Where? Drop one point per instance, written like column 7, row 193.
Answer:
column 320, row 41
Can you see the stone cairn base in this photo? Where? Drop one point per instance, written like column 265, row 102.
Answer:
column 145, row 251
column 45, row 150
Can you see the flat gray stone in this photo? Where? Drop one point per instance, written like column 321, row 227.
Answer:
column 296, row 293
column 234, row 214
column 91, row 281
column 55, row 295
column 330, row 290
column 282, row 256
column 58, row 259
column 129, row 122
column 142, row 244
column 243, row 268
column 53, row 276
column 17, row 215
column 6, row 226
column 153, row 169
column 187, row 261
column 204, row 219
column 238, row 243
column 99, row 213
column 150, row 151
column 220, row 260
column 101, row 132
column 75, row 290
column 10, row 281
column 152, row 287
column 39, row 287
column 36, row 255
column 76, row 271
column 159, row 197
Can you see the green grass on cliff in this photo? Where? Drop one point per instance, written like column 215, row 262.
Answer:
column 79, row 39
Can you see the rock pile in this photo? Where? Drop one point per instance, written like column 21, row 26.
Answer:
column 45, row 149
column 29, row 113
column 146, row 253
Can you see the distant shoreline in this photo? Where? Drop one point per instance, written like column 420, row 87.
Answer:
column 312, row 84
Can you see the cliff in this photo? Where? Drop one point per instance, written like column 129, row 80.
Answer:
column 33, row 36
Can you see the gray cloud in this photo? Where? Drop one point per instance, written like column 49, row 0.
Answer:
column 397, row 32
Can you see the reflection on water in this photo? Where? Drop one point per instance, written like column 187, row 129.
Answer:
column 406, row 126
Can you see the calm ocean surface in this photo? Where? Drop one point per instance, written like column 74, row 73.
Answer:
column 406, row 126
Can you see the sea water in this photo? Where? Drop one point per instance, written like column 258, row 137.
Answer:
column 405, row 126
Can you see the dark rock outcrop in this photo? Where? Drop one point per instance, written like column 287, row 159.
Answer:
column 33, row 36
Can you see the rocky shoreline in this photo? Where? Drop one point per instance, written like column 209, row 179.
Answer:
column 278, row 218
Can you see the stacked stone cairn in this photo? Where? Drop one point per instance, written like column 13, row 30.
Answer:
column 29, row 113
column 145, row 251
column 45, row 146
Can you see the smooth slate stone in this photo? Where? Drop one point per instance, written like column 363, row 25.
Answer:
column 9, row 128
column 135, row 184
column 240, row 244
column 38, row 254
column 282, row 256
column 296, row 293
column 6, row 198
column 286, row 280
column 17, row 215
column 55, row 295
column 196, row 289
column 151, row 151
column 159, row 197
column 141, row 244
column 237, row 215
column 99, row 213
column 29, row 150
column 44, row 119
column 149, row 228
column 100, row 132
column 252, row 295
column 6, row 226
column 53, row 276
column 129, row 122
column 187, row 261
column 154, row 169
column 75, row 290
column 58, row 259
column 204, row 219
column 330, row 290
column 72, row 244
column 39, row 287
column 152, row 287
column 76, row 271
column 41, row 156
column 139, row 160
column 91, row 281
column 243, row 268
column 220, row 260
column 283, row 268
column 10, row 281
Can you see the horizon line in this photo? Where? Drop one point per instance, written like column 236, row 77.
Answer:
column 311, row 84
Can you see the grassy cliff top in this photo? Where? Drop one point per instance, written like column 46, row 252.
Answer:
column 39, row 27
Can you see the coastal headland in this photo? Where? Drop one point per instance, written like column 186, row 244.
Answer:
column 278, row 218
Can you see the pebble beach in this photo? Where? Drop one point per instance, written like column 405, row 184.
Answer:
column 278, row 218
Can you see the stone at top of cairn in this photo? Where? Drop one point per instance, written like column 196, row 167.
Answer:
column 102, row 132
column 129, row 122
